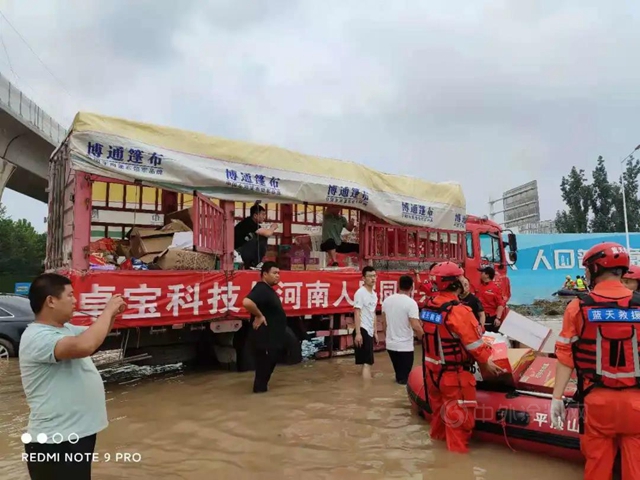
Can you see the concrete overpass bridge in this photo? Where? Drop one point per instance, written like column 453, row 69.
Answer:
column 28, row 137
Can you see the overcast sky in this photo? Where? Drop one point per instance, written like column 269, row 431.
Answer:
column 490, row 94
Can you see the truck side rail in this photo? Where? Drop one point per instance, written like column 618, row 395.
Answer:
column 208, row 225
column 410, row 244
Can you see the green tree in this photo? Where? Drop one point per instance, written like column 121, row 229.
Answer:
column 22, row 248
column 598, row 207
column 575, row 193
column 630, row 176
column 601, row 200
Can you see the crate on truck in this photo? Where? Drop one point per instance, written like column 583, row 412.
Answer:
column 149, row 212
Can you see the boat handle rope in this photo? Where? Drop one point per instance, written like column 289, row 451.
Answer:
column 503, row 422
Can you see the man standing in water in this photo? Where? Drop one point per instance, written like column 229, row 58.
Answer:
column 63, row 387
column 269, row 322
column 365, row 333
column 401, row 323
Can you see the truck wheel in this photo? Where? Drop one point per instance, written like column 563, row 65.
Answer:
column 165, row 354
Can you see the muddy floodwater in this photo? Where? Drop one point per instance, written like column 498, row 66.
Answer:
column 319, row 420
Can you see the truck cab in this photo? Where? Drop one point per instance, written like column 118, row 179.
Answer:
column 485, row 246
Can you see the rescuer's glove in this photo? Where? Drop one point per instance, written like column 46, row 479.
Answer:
column 558, row 413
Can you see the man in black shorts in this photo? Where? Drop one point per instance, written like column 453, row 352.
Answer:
column 269, row 322
column 332, row 225
column 365, row 303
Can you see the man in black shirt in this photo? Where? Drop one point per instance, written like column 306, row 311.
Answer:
column 269, row 322
column 470, row 300
column 249, row 239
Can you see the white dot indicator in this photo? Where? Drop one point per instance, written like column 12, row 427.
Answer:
column 73, row 438
column 57, row 438
column 26, row 438
column 42, row 438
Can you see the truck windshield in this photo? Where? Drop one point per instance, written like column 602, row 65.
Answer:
column 490, row 248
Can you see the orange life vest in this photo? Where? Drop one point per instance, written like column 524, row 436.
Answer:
column 442, row 348
column 606, row 353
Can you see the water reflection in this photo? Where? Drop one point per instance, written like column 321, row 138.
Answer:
column 318, row 421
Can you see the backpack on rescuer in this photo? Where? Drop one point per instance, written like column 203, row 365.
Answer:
column 606, row 353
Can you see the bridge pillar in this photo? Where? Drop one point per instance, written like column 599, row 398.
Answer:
column 29, row 153
column 6, row 170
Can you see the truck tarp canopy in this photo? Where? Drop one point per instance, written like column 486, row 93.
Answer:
column 185, row 161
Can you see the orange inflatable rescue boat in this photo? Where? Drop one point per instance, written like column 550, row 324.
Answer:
column 511, row 416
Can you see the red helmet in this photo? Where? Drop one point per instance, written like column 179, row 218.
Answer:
column 633, row 273
column 445, row 274
column 606, row 255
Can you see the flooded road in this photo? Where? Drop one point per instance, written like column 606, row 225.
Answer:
column 318, row 421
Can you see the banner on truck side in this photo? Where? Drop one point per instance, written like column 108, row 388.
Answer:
column 169, row 297
column 230, row 170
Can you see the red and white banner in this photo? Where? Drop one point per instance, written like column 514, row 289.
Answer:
column 163, row 298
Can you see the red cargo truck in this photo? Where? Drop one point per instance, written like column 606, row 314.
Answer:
column 124, row 183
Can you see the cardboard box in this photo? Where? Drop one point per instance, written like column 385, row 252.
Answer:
column 541, row 377
column 524, row 330
column 514, row 361
column 312, row 264
column 184, row 215
column 123, row 248
column 151, row 241
column 174, row 259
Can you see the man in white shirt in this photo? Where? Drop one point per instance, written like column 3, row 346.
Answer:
column 364, row 303
column 401, row 322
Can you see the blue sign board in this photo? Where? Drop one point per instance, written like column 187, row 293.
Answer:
column 22, row 289
column 545, row 260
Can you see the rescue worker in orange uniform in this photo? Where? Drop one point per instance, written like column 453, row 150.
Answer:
column 492, row 297
column 452, row 344
column 631, row 279
column 426, row 287
column 599, row 338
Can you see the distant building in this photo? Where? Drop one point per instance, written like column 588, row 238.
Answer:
column 543, row 226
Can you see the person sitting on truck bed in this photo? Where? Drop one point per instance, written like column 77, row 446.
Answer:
column 250, row 239
column 332, row 225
